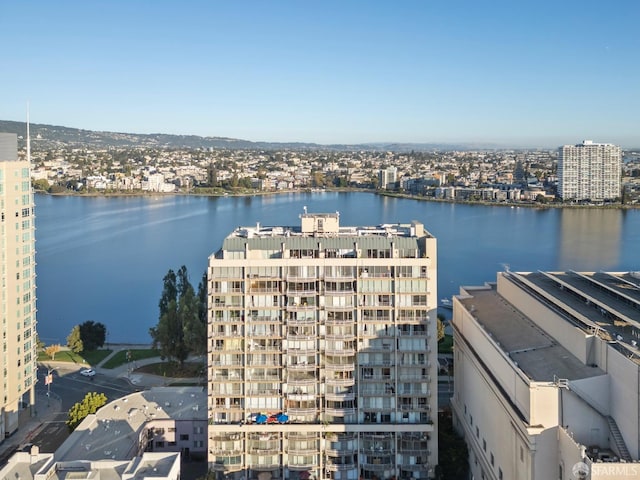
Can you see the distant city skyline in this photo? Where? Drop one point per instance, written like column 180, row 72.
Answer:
column 543, row 74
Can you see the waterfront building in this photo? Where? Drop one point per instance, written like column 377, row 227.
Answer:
column 18, row 359
column 547, row 375
column 589, row 171
column 388, row 178
column 322, row 352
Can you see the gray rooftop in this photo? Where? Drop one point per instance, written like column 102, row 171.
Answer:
column 114, row 431
column 537, row 354
column 8, row 147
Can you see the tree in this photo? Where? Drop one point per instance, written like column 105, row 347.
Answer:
column 440, row 326
column 90, row 404
column 169, row 291
column 74, row 340
column 51, row 350
column 93, row 335
column 181, row 327
column 41, row 185
column 39, row 343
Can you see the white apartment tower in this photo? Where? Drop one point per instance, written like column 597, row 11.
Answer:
column 18, row 356
column 388, row 178
column 334, row 328
column 589, row 171
column 547, row 376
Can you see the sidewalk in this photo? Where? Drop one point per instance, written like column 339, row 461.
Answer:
column 43, row 414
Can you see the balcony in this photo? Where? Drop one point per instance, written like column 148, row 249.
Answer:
column 340, row 336
column 340, row 382
column 300, row 307
column 263, row 319
column 340, row 308
column 299, row 396
column 340, row 397
column 304, row 367
column 312, row 277
column 301, row 291
column 340, row 467
column 339, row 352
column 292, row 321
column 340, row 292
column 340, row 367
column 340, row 412
column 299, row 381
column 302, row 412
column 263, row 467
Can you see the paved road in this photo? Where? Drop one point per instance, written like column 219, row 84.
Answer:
column 70, row 387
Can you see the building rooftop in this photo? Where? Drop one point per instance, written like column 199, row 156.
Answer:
column 113, row 432
column 324, row 230
column 606, row 304
column 537, row 354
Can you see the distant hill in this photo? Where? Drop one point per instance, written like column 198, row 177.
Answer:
column 50, row 136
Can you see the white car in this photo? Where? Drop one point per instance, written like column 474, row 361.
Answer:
column 88, row 372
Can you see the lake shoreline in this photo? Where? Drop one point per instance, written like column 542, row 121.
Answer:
column 345, row 190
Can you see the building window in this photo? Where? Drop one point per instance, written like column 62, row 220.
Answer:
column 184, row 437
column 484, row 444
column 521, row 454
column 477, row 432
column 500, row 474
column 160, row 444
column 492, row 460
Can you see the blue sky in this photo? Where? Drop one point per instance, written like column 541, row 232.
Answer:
column 540, row 73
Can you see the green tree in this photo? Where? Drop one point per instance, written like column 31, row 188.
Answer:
column 93, row 335
column 74, row 340
column 41, row 185
column 90, row 404
column 441, row 319
column 453, row 455
column 169, row 291
column 181, row 327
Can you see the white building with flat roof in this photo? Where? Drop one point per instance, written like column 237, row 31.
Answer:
column 547, row 375
column 322, row 352
column 589, row 171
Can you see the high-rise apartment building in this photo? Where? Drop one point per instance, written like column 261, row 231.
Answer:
column 388, row 178
column 18, row 356
column 547, row 376
column 589, row 171
column 322, row 352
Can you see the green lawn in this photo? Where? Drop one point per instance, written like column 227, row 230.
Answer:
column 174, row 369
column 91, row 358
column 120, row 358
column 446, row 344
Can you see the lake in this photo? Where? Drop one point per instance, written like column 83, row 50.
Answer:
column 103, row 259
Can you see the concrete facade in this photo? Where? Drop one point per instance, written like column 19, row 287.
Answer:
column 589, row 171
column 336, row 328
column 546, row 377
column 18, row 310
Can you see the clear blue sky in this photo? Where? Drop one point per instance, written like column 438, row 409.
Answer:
column 510, row 72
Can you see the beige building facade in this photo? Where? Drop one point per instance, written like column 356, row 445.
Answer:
column 322, row 352
column 547, row 376
column 18, row 356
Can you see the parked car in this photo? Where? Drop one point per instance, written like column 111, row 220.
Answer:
column 88, row 372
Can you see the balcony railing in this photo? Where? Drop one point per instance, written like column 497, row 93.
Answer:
column 340, row 467
column 344, row 382
column 340, row 367
column 340, row 412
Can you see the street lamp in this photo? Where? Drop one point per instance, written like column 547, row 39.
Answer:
column 48, row 380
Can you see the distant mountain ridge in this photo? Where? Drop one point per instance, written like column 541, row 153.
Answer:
column 49, row 136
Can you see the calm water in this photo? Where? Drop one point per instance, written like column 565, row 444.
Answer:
column 103, row 259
